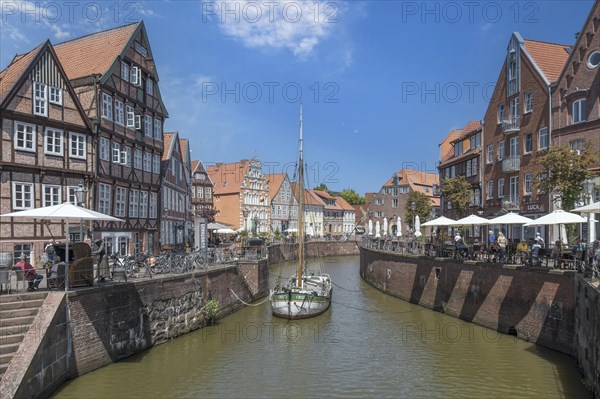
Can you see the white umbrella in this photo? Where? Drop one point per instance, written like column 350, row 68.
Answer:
column 441, row 221
column 216, row 226
column 557, row 217
column 66, row 212
column 385, row 225
column 591, row 208
column 291, row 230
column 377, row 228
column 510, row 218
column 370, row 228
column 418, row 226
column 399, row 227
column 225, row 231
column 471, row 220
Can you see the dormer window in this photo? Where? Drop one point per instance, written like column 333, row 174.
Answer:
column 458, row 148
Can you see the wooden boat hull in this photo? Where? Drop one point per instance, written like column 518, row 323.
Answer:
column 292, row 305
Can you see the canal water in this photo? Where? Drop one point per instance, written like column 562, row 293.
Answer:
column 367, row 345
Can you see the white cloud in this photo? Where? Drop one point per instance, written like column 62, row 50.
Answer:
column 298, row 26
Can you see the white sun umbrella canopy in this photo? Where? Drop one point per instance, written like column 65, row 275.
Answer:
column 399, row 227
column 441, row 221
column 370, row 227
column 418, row 226
column 510, row 218
column 385, row 225
column 225, row 231
column 471, row 220
column 557, row 217
column 66, row 212
column 591, row 208
column 377, row 228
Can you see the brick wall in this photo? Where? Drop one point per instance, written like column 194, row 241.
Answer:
column 285, row 252
column 587, row 323
column 535, row 305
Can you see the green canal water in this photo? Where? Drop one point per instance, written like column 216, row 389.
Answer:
column 368, row 345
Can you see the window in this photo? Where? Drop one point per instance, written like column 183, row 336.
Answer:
column 156, row 164
column 394, row 202
column 541, row 178
column 157, row 129
column 528, row 184
column 529, row 101
column 528, row 143
column 501, row 150
column 104, row 198
column 120, row 197
column 116, row 152
column 153, row 206
column 148, row 125
column 543, row 139
column 149, row 86
column 124, row 71
column 143, row 204
column 53, row 141
column 51, row 195
column 126, row 156
column 577, row 145
column 490, row 189
column 513, row 150
column 104, row 149
column 475, row 141
column 24, row 136
column 130, row 117
column 500, row 113
column 134, row 198
column 21, row 249
column 77, row 145
column 119, row 113
column 579, row 111
column 147, row 162
column 458, row 148
column 71, row 197
column 594, row 59
column 40, row 105
column 207, row 193
column 513, row 188
column 500, row 188
column 137, row 159
column 490, row 153
column 136, row 76
column 107, row 108
column 55, row 95
column 22, row 195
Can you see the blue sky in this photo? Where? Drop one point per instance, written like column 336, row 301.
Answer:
column 382, row 82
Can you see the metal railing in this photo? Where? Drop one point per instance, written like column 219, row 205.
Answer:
column 511, row 164
column 512, row 124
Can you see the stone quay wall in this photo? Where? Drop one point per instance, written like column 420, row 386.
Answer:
column 284, row 252
column 587, row 327
column 115, row 321
column 537, row 305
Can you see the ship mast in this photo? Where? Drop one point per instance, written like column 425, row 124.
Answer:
column 300, row 209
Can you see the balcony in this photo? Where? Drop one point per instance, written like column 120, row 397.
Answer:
column 511, row 164
column 511, row 125
column 511, row 203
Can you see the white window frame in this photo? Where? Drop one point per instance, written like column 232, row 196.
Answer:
column 501, row 150
column 77, row 145
column 71, row 196
column 490, row 154
column 156, row 164
column 150, row 86
column 528, row 103
column 490, row 189
column 501, row 113
column 589, row 60
column 513, row 147
column 130, row 116
column 143, row 205
column 126, row 156
column 528, row 184
column 54, row 191
column 40, row 99
column 547, row 138
column 158, row 129
column 153, row 207
column 125, row 71
column 513, row 189
column 136, row 75
column 119, row 112
column 116, row 152
column 514, row 108
column 107, row 106
column 22, row 195
column 55, row 95
column 120, row 201
column 579, row 111
column 134, row 198
column 530, row 135
column 104, row 149
column 104, row 191
column 137, row 159
column 501, row 188
column 148, row 126
column 54, row 139
column 27, row 137
column 147, row 162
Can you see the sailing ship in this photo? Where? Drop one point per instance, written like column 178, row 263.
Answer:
column 306, row 293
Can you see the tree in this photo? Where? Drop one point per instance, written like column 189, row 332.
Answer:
column 563, row 172
column 322, row 187
column 352, row 197
column 457, row 191
column 423, row 207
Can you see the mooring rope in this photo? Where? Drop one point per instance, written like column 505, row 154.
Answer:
column 246, row 303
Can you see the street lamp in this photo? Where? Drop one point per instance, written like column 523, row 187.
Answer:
column 80, row 197
column 588, row 189
column 245, row 212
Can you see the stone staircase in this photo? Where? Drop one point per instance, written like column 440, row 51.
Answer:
column 16, row 315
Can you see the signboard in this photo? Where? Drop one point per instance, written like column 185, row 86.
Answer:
column 200, row 234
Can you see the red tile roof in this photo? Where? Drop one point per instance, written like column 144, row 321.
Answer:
column 344, row 204
column 275, row 182
column 550, row 57
column 167, row 138
column 13, row 72
column 228, row 177
column 446, row 148
column 94, row 53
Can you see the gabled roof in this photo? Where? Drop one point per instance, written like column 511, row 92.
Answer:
column 324, row 196
column 344, row 204
column 228, row 177
column 309, row 197
column 468, row 130
column 446, row 148
column 549, row 57
column 275, row 181
column 167, row 143
column 15, row 70
column 198, row 167
column 416, row 180
column 94, row 54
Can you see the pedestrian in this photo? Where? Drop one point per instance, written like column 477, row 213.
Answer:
column 33, row 279
column 535, row 252
column 502, row 243
column 491, row 238
column 539, row 239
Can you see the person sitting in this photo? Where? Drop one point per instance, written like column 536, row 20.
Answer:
column 535, row 253
column 539, row 239
column 461, row 248
column 502, row 244
column 578, row 250
column 33, row 279
column 57, row 273
column 522, row 250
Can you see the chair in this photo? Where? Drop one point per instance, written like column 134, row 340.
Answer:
column 57, row 282
column 20, row 278
column 5, row 280
column 81, row 272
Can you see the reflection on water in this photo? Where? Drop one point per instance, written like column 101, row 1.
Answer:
column 367, row 345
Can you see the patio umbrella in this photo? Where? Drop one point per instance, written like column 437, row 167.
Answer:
column 591, row 208
column 399, row 227
column 471, row 220
column 377, row 228
column 66, row 212
column 370, row 228
column 385, row 225
column 216, row 226
column 225, row 231
column 441, row 221
column 418, row 226
column 510, row 218
column 558, row 217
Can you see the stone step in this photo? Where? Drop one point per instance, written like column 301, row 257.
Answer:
column 11, row 339
column 10, row 314
column 6, row 357
column 24, row 296
column 13, row 330
column 35, row 303
column 16, row 321
column 3, row 368
column 9, row 348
